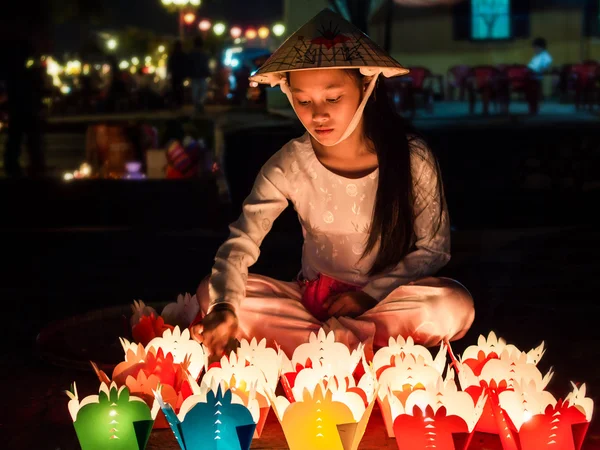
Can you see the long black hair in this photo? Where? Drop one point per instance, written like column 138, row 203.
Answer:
column 393, row 139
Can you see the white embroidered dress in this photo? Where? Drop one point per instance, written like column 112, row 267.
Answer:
column 335, row 213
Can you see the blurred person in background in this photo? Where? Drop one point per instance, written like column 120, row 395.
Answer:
column 542, row 60
column 199, row 72
column 24, row 90
column 242, row 83
column 220, row 84
column 176, row 69
column 24, row 34
column 118, row 90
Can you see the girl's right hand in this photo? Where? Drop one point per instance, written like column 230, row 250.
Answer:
column 218, row 328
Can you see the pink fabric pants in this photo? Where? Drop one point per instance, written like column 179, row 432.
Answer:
column 430, row 310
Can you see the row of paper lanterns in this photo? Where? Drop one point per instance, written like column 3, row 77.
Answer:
column 235, row 32
column 165, row 381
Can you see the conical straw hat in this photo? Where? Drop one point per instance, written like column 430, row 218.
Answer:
column 327, row 41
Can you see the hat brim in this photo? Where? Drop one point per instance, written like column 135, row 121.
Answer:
column 274, row 78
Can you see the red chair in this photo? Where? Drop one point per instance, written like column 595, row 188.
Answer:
column 456, row 78
column 482, row 80
column 403, row 90
column 584, row 77
column 520, row 79
column 414, row 83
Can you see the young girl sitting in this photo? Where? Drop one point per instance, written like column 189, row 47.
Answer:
column 369, row 197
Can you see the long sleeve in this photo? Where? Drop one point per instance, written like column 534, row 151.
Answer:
column 265, row 203
column 432, row 243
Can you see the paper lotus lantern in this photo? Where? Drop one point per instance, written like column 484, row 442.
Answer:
column 543, row 422
column 182, row 312
column 146, row 323
column 267, row 359
column 111, row 420
column 139, row 310
column 321, row 352
column 436, row 415
column 213, row 418
column 253, row 364
column 492, row 367
column 402, row 367
column 332, row 415
column 476, row 356
column 400, row 349
column 518, row 409
column 149, row 327
column 182, row 346
column 172, row 361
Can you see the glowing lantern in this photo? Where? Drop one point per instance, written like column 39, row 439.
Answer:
column 253, row 365
column 402, row 368
column 112, row 419
column 173, row 361
column 327, row 414
column 400, row 349
column 189, row 18
column 321, row 352
column 180, row 313
column 219, row 28
column 235, row 32
column 263, row 32
column 431, row 415
column 212, row 418
column 204, row 25
column 278, row 29
column 491, row 367
column 250, row 33
column 182, row 347
column 518, row 409
column 541, row 421
column 323, row 407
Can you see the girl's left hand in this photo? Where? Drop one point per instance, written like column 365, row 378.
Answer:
column 349, row 304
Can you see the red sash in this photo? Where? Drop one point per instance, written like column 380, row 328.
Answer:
column 320, row 289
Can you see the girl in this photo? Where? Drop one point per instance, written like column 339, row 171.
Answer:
column 369, row 196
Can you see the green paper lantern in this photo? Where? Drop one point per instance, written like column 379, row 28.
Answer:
column 111, row 420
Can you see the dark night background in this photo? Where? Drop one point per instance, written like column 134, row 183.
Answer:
column 152, row 15
column 522, row 188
